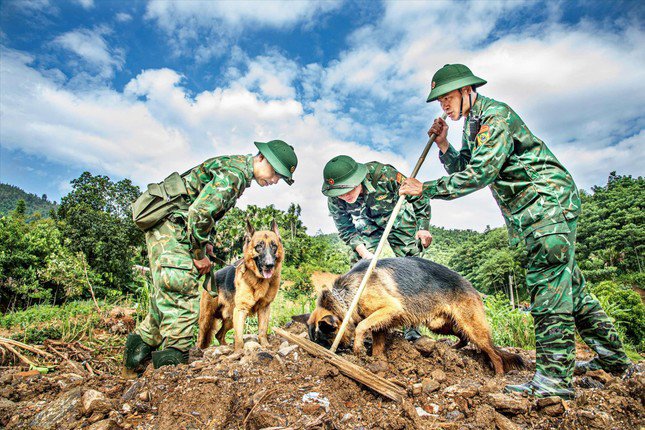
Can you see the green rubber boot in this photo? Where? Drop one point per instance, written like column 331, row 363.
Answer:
column 137, row 355
column 555, row 356
column 594, row 364
column 169, row 357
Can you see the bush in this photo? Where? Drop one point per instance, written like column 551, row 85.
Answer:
column 625, row 307
column 511, row 327
column 298, row 281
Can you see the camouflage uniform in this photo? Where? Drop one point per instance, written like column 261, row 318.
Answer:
column 213, row 188
column 540, row 204
column 363, row 221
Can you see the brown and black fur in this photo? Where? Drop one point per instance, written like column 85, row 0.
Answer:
column 244, row 290
column 406, row 291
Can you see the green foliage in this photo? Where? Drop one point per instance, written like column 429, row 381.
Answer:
column 511, row 327
column 611, row 230
column 97, row 221
column 487, row 261
column 625, row 307
column 10, row 195
column 37, row 264
column 40, row 322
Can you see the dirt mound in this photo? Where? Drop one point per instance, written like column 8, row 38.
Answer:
column 283, row 387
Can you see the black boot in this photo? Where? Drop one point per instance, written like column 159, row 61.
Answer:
column 137, row 354
column 169, row 357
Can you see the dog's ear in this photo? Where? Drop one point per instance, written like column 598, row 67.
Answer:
column 250, row 231
column 301, row 318
column 274, row 227
column 328, row 324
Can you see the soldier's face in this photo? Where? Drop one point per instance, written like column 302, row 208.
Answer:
column 264, row 173
column 351, row 196
column 451, row 103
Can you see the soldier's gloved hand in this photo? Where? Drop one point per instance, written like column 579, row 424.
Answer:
column 411, row 187
column 203, row 265
column 425, row 236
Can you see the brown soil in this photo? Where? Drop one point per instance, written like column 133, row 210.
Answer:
column 273, row 389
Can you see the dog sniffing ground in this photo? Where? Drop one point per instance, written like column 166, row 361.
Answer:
column 282, row 387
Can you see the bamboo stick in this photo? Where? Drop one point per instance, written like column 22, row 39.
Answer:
column 380, row 385
column 381, row 244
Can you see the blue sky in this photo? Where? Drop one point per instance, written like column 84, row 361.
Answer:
column 140, row 89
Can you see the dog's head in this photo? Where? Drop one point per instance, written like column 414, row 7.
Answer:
column 323, row 324
column 263, row 251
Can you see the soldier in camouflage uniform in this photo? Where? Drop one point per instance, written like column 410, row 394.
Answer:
column 361, row 198
column 540, row 204
column 178, row 243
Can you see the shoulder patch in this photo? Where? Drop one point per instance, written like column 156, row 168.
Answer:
column 399, row 177
column 483, row 135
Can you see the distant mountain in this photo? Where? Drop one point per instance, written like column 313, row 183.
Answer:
column 10, row 194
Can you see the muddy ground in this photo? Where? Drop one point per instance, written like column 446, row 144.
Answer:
column 283, row 387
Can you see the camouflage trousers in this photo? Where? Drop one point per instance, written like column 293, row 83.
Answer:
column 402, row 241
column 174, row 299
column 561, row 303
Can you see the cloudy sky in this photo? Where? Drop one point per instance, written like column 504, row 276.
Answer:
column 139, row 89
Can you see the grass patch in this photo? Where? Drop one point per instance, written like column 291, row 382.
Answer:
column 71, row 321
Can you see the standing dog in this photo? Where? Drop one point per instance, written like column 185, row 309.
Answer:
column 406, row 291
column 246, row 288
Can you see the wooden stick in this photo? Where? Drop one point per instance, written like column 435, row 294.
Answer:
column 376, row 383
column 379, row 249
column 20, row 356
column 87, row 278
column 4, row 340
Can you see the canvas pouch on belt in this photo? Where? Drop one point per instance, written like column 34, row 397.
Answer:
column 159, row 201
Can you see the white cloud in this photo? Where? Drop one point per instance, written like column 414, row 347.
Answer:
column 172, row 15
column 203, row 30
column 123, row 17
column 86, row 4
column 155, row 127
column 93, row 49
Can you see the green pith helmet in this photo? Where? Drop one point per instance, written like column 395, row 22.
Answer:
column 452, row 77
column 341, row 174
column 281, row 157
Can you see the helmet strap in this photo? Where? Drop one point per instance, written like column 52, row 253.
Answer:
column 470, row 102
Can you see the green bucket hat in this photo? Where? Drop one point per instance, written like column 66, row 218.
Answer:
column 452, row 77
column 341, row 174
column 281, row 157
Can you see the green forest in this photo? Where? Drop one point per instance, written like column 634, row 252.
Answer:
column 56, row 255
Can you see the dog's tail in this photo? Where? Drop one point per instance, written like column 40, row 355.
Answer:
column 510, row 360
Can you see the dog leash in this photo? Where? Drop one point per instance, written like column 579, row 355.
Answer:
column 381, row 244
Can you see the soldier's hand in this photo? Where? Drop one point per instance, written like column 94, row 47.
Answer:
column 411, row 187
column 203, row 265
column 209, row 250
column 440, row 128
column 425, row 236
column 364, row 252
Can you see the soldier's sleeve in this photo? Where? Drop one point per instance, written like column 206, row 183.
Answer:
column 454, row 161
column 215, row 197
column 344, row 224
column 493, row 145
column 420, row 204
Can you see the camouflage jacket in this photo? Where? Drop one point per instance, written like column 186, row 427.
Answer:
column 532, row 188
column 213, row 188
column 371, row 211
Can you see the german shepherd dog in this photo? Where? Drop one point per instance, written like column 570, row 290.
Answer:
column 248, row 287
column 406, row 291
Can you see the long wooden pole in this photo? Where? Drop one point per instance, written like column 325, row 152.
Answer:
column 381, row 244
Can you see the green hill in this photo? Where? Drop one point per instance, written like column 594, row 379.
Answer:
column 10, row 195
